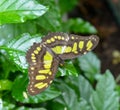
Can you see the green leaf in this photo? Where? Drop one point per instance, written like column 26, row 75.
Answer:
column 105, row 97
column 19, row 92
column 118, row 89
column 67, row 69
column 9, row 31
column 67, row 5
column 6, row 33
column 4, row 105
column 82, row 87
column 5, row 85
column 17, row 11
column 17, row 49
column 81, row 105
column 5, row 66
column 78, row 25
column 50, row 21
column 90, row 64
column 72, row 97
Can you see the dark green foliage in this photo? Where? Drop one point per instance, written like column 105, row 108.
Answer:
column 79, row 84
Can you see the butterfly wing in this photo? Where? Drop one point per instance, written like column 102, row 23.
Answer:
column 79, row 45
column 68, row 46
column 41, row 68
column 44, row 57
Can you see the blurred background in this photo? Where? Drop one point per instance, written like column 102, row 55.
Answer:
column 105, row 16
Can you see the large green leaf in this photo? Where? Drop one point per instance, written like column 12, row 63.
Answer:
column 16, row 11
column 17, row 49
column 72, row 97
column 19, row 92
column 82, row 87
column 9, row 31
column 105, row 97
column 90, row 64
column 50, row 21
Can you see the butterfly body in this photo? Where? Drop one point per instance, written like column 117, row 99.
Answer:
column 45, row 57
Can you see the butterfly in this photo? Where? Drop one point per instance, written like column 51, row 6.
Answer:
column 44, row 57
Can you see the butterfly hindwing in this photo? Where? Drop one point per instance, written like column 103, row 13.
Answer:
column 41, row 70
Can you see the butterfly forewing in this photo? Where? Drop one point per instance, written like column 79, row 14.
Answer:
column 68, row 46
column 41, row 70
column 79, row 45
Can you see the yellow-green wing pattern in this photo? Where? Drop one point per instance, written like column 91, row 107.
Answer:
column 41, row 70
